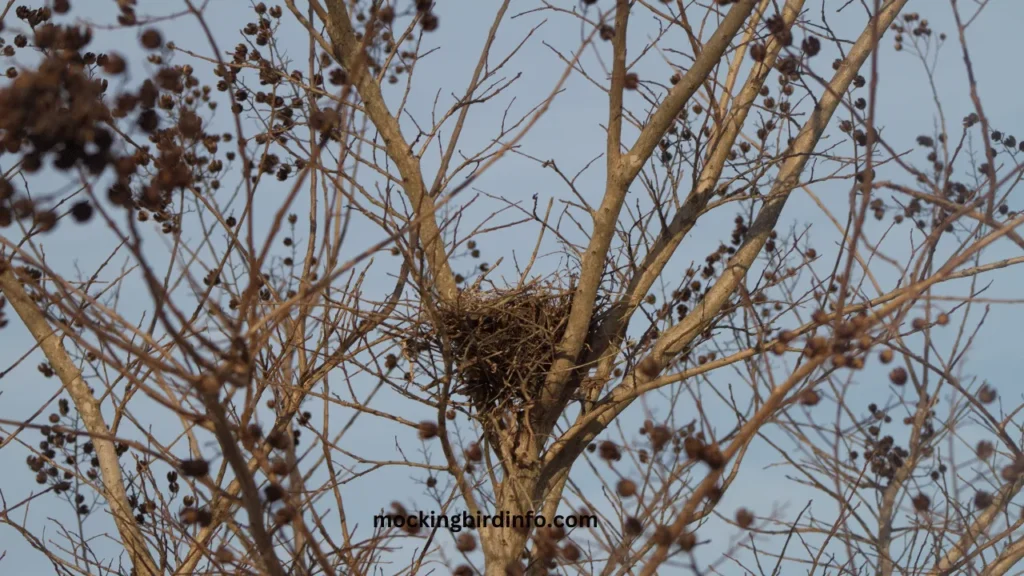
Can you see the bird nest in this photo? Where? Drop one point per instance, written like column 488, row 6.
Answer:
column 503, row 342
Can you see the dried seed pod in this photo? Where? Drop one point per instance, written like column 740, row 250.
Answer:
column 626, row 488
column 279, row 440
column 208, row 384
column 982, row 500
column 82, row 211
column 284, row 515
column 427, row 430
column 984, row 450
column 758, row 52
column 609, row 451
column 693, row 447
column 660, row 436
column 194, row 468
column 570, row 552
column 429, row 22
column 810, row 397
column 151, row 39
column 555, row 533
column 817, row 344
column 273, row 492
column 253, row 431
column 811, row 46
column 712, row 456
column 687, row 541
column 224, row 555
column 744, row 518
column 864, row 342
column 200, row 516
column 845, row 330
column 663, row 535
column 1014, row 470
column 898, row 376
column 466, row 542
column 986, row 394
column 632, row 527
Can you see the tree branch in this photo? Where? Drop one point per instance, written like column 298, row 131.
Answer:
column 621, row 172
column 613, row 328
column 350, row 52
column 89, row 409
column 679, row 336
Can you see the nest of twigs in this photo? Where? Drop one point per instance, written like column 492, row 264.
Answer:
column 503, row 342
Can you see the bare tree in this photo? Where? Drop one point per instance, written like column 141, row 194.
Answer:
column 762, row 274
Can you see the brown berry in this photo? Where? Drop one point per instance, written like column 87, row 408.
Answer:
column 626, row 488
column 224, row 555
column 712, row 456
column 200, row 516
column 986, row 394
column 984, row 450
column 465, row 542
column 663, row 535
column 474, row 453
column 898, row 376
column 427, row 430
column 659, row 436
column 197, row 467
column 114, row 64
column 429, row 22
column 609, row 451
column 744, row 518
column 758, row 52
column 982, row 500
column 151, row 39
column 810, row 397
column 273, row 492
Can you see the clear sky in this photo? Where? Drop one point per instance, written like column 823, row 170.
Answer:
column 571, row 133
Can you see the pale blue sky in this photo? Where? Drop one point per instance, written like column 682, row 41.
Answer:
column 572, row 134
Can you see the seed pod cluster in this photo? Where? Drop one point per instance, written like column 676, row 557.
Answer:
column 850, row 339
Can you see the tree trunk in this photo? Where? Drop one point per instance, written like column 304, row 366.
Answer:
column 88, row 408
column 503, row 547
